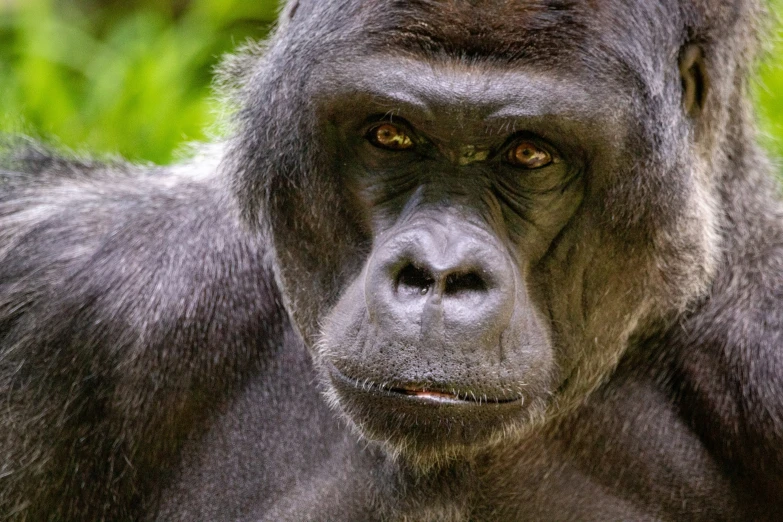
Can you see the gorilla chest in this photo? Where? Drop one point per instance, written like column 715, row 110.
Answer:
column 281, row 454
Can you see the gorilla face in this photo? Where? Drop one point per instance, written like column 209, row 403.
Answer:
column 467, row 243
column 437, row 340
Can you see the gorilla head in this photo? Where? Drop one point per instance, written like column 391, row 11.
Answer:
column 475, row 207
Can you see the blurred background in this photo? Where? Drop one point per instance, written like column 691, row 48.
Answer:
column 133, row 77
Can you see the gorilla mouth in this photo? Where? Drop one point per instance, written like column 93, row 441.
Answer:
column 452, row 396
column 421, row 393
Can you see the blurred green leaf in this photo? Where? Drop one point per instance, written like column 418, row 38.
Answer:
column 129, row 77
column 768, row 89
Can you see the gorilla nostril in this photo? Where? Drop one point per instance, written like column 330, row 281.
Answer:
column 457, row 283
column 413, row 279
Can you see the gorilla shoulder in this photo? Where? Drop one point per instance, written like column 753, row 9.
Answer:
column 117, row 286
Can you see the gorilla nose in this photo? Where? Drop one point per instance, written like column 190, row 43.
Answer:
column 442, row 282
column 451, row 280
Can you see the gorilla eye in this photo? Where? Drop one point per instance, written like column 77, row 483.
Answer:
column 390, row 137
column 527, row 154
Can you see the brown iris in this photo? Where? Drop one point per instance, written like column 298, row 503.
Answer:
column 391, row 137
column 527, row 154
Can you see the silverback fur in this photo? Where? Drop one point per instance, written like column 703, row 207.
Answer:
column 207, row 341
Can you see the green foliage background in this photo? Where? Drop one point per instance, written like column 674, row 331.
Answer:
column 769, row 84
column 119, row 76
column 132, row 77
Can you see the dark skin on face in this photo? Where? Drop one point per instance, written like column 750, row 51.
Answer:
column 463, row 176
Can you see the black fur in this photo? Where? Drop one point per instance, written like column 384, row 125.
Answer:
column 169, row 337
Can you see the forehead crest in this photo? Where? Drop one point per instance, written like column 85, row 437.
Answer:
column 482, row 28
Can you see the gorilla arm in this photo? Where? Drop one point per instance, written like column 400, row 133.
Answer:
column 131, row 304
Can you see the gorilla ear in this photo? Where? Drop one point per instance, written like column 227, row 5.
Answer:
column 695, row 82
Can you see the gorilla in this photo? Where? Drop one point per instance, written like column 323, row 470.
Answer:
column 455, row 260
